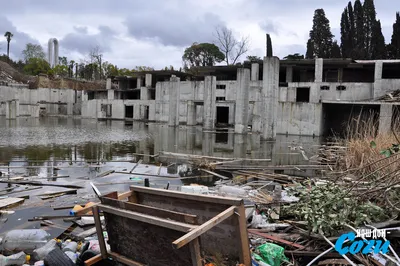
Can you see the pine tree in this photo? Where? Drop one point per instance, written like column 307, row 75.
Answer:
column 335, row 51
column 320, row 36
column 269, row 46
column 359, row 51
column 310, row 49
column 369, row 26
column 378, row 45
column 345, row 34
column 394, row 46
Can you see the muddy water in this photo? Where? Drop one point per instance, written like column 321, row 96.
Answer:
column 81, row 149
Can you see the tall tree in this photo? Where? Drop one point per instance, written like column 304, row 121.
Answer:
column 202, row 54
column 310, row 49
column 394, row 46
column 335, row 51
column 378, row 46
column 33, row 51
column 231, row 47
column 347, row 31
column 269, row 46
column 345, row 34
column 320, row 36
column 359, row 49
column 369, row 27
column 8, row 36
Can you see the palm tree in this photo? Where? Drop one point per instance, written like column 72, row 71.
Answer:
column 8, row 36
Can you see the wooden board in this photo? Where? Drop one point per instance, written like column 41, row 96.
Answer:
column 145, row 243
column 4, row 203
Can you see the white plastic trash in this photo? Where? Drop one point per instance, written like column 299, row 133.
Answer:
column 25, row 240
column 195, row 189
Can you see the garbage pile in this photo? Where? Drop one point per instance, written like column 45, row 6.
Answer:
column 296, row 220
column 35, row 247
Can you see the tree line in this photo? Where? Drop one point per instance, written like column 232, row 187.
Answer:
column 360, row 35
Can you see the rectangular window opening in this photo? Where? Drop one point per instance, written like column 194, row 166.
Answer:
column 220, row 99
column 303, row 95
column 340, row 88
column 221, row 87
column 324, row 88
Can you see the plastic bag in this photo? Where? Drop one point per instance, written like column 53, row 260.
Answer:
column 271, row 254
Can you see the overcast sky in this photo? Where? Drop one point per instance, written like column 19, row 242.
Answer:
column 156, row 32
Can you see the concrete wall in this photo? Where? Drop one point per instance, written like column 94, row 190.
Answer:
column 299, row 118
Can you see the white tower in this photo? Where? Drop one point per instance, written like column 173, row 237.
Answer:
column 52, row 54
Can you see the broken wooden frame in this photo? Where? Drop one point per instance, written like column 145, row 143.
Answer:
column 165, row 215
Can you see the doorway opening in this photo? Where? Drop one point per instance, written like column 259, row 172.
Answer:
column 146, row 112
column 222, row 115
column 128, row 111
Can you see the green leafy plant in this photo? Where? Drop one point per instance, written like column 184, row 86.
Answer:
column 326, row 208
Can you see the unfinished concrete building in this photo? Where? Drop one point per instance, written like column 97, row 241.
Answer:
column 296, row 97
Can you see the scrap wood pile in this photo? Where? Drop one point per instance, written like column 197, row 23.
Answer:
column 393, row 96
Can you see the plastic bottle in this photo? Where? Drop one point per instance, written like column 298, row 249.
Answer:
column 72, row 255
column 71, row 246
column 25, row 240
column 16, row 259
column 41, row 253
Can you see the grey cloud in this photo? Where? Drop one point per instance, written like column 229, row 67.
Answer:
column 172, row 27
column 18, row 42
column 82, row 42
column 81, row 29
column 270, row 27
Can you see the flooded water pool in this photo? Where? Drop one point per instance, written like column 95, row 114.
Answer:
column 79, row 150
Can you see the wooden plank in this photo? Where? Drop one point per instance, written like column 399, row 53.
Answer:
column 178, row 226
column 106, row 173
column 214, row 174
column 124, row 195
column 4, row 203
column 244, row 238
column 159, row 169
column 201, row 229
column 69, row 191
column 276, row 239
column 87, row 233
column 36, row 183
column 136, row 165
column 99, row 230
column 195, row 252
column 93, row 260
column 124, row 260
column 162, row 213
column 195, row 197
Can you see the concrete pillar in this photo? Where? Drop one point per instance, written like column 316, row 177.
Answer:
column 144, row 93
column 210, row 86
column 190, row 138
column 208, row 143
column 16, row 108
column 108, row 84
column 269, row 97
column 148, row 80
column 11, row 109
column 110, row 94
column 319, row 69
column 378, row 90
column 385, row 118
column 242, row 100
column 289, row 74
column 191, row 113
column 70, row 108
column 255, row 71
column 174, row 93
column 139, row 82
column 240, row 146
